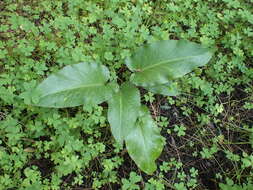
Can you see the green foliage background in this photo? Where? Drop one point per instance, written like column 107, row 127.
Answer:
column 209, row 128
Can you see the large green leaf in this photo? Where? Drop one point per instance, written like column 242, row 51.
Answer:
column 123, row 111
column 74, row 85
column 144, row 143
column 167, row 89
column 161, row 62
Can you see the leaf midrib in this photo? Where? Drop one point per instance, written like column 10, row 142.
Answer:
column 75, row 88
column 143, row 140
column 166, row 61
column 120, row 113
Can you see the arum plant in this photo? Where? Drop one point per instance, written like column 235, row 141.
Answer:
column 154, row 66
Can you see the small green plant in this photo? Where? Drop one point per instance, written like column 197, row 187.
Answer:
column 153, row 66
column 130, row 184
column 180, row 129
column 231, row 186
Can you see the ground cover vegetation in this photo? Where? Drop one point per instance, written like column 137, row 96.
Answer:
column 208, row 127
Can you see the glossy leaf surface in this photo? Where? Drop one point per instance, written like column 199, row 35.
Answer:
column 144, row 143
column 74, row 85
column 168, row 89
column 123, row 111
column 163, row 61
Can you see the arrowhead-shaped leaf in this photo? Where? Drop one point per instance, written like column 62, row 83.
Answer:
column 123, row 111
column 161, row 62
column 144, row 143
column 74, row 85
column 168, row 89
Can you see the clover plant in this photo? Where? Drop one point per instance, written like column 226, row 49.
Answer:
column 154, row 66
